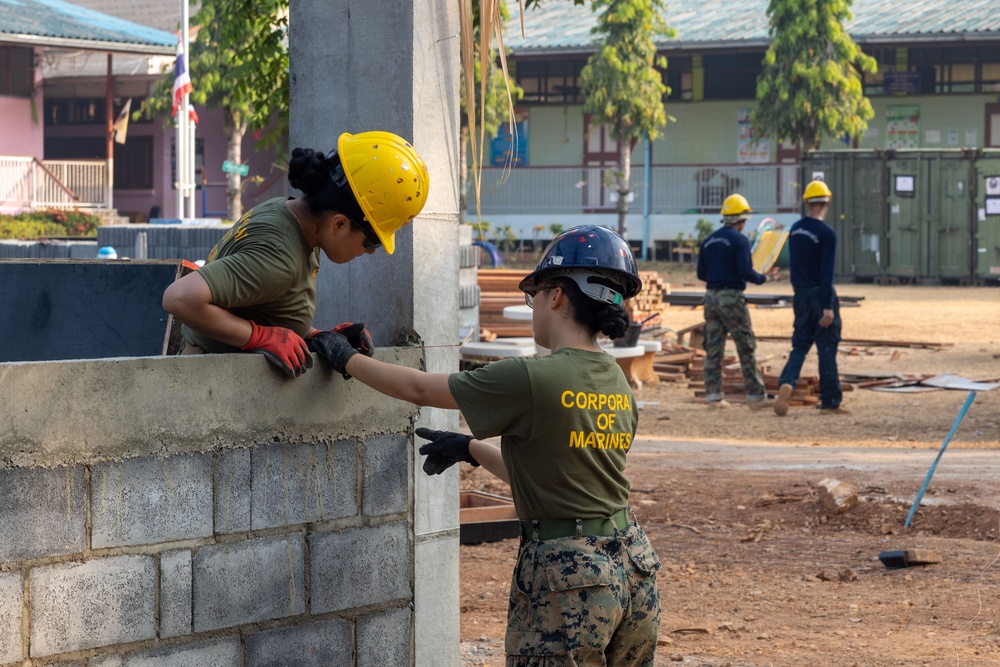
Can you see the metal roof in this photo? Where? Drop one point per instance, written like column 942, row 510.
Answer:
column 700, row 24
column 54, row 23
column 162, row 14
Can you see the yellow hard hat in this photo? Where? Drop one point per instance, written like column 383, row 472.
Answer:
column 736, row 205
column 388, row 177
column 817, row 191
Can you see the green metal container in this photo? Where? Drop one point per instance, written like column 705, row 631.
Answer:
column 986, row 218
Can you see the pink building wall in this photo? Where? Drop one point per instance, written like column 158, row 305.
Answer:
column 20, row 136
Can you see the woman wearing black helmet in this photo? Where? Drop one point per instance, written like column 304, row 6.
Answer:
column 584, row 588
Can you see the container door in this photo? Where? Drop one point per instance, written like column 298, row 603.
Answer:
column 907, row 190
column 987, row 217
column 951, row 220
column 862, row 231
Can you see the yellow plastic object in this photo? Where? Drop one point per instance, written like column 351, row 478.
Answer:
column 388, row 178
column 767, row 249
column 817, row 190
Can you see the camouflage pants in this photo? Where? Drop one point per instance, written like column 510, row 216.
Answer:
column 584, row 602
column 726, row 312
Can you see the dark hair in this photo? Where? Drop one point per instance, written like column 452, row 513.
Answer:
column 311, row 172
column 595, row 316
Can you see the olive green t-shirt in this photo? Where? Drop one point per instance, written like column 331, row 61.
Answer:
column 567, row 421
column 262, row 270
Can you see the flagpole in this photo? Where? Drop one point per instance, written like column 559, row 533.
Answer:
column 188, row 161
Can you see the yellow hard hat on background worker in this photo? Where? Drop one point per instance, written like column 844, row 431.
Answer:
column 388, row 178
column 816, row 192
column 735, row 209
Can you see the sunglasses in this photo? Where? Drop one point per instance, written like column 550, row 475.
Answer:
column 529, row 295
column 372, row 242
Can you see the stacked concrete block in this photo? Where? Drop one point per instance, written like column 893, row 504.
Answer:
column 297, row 550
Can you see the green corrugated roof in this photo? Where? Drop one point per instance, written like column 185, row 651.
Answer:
column 562, row 25
column 61, row 24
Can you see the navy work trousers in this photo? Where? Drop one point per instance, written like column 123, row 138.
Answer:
column 808, row 312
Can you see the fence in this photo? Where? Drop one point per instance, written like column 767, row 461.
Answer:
column 673, row 189
column 27, row 183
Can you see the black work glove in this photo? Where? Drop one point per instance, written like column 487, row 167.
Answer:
column 445, row 450
column 357, row 336
column 334, row 348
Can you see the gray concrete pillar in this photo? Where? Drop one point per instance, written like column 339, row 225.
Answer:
column 361, row 65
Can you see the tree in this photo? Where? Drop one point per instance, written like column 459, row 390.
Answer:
column 621, row 83
column 238, row 63
column 810, row 84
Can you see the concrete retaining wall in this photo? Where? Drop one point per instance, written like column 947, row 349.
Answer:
column 206, row 511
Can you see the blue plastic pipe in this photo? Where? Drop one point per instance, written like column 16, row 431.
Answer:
column 944, row 445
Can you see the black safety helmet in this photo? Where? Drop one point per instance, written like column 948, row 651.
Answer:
column 597, row 258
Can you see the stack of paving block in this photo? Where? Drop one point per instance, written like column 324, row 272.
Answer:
column 649, row 301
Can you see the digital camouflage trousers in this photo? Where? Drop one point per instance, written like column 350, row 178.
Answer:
column 584, row 602
column 726, row 313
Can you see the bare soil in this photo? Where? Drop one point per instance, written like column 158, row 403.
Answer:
column 756, row 570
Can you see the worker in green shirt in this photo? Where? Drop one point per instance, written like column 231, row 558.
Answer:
column 584, row 588
column 257, row 289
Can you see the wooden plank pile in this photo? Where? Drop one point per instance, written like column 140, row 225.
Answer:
column 649, row 301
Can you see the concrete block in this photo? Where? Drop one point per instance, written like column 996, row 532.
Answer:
column 76, row 606
column 301, row 483
column 360, row 566
column 220, row 653
column 106, row 661
column 435, row 497
column 43, row 513
column 149, row 500
column 11, row 599
column 314, row 645
column 386, row 475
column 175, row 593
column 384, row 640
column 435, row 587
column 232, row 491
column 250, row 581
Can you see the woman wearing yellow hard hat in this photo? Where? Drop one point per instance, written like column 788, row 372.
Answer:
column 257, row 290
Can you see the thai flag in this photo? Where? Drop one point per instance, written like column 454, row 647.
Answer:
column 182, row 83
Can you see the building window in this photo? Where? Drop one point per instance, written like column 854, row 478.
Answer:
column 678, row 77
column 732, row 76
column 550, row 81
column 86, row 110
column 17, row 71
column 134, row 164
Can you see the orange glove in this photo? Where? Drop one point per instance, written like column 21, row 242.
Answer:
column 282, row 347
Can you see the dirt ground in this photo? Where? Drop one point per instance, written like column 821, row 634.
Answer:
column 756, row 571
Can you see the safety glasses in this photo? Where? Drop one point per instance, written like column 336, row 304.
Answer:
column 529, row 295
column 372, row 242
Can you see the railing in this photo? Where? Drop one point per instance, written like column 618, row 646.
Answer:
column 674, row 189
column 27, row 183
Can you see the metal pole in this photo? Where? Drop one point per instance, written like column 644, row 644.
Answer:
column 944, row 445
column 646, row 195
column 109, row 140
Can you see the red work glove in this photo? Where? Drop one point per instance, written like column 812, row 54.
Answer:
column 282, row 347
column 357, row 336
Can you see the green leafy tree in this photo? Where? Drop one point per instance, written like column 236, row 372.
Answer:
column 238, row 63
column 810, row 85
column 624, row 90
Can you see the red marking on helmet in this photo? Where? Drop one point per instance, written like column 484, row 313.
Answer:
column 409, row 199
column 375, row 147
column 399, row 180
column 583, row 239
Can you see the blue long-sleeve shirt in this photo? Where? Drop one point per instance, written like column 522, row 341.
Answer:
column 812, row 245
column 724, row 261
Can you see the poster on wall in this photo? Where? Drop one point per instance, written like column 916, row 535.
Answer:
column 902, row 126
column 750, row 149
column 507, row 150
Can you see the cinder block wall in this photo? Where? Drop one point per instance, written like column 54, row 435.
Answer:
column 207, row 511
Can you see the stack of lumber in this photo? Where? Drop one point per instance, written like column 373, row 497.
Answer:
column 497, row 289
column 649, row 301
column 672, row 363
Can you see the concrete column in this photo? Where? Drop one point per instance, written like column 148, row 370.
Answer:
column 361, row 65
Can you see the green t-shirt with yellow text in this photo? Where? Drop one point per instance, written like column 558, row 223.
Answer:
column 567, row 421
column 262, row 270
